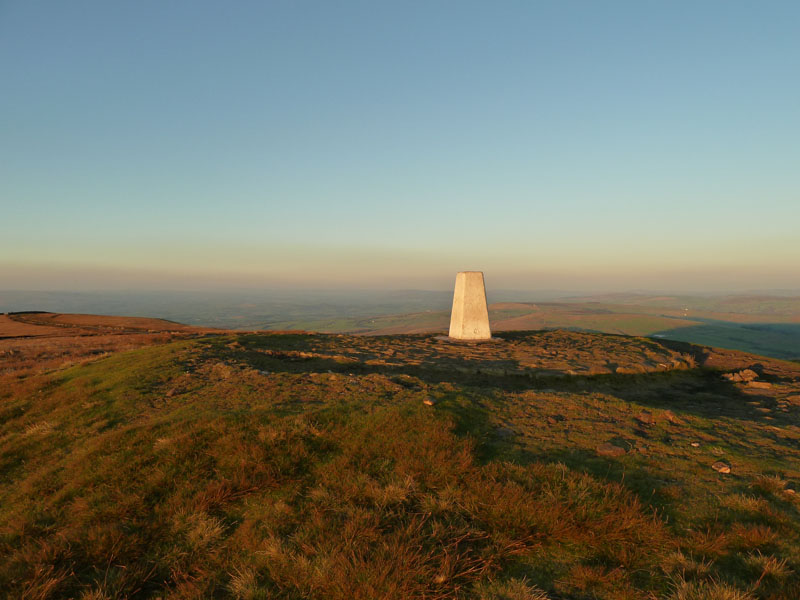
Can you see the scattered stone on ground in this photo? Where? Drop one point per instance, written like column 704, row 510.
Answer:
column 721, row 467
column 610, row 450
column 429, row 401
column 745, row 375
column 695, row 444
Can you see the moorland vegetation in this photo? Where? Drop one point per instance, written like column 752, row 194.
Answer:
column 543, row 465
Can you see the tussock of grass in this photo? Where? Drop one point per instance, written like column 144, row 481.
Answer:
column 708, row 590
column 513, row 589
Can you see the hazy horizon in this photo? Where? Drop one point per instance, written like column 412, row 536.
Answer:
column 223, row 307
column 567, row 281
column 535, row 293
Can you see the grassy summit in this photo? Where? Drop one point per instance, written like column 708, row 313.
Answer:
column 543, row 465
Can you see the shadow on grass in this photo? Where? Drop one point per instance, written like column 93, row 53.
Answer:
column 701, row 392
column 644, row 484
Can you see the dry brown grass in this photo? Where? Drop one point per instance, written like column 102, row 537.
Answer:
column 40, row 342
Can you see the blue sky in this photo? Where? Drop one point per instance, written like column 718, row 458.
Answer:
column 570, row 145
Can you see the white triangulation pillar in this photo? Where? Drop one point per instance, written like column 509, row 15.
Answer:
column 469, row 319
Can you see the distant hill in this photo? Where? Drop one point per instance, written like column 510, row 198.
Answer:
column 540, row 465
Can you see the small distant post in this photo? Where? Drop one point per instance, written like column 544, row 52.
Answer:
column 469, row 319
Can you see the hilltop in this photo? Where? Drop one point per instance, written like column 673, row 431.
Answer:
column 543, row 464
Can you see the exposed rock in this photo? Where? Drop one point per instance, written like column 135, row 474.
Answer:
column 721, row 467
column 745, row 375
column 759, row 384
column 695, row 444
column 429, row 401
column 748, row 375
column 610, row 450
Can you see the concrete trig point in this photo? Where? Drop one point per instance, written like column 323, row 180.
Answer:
column 469, row 319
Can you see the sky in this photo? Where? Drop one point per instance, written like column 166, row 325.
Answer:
column 604, row 146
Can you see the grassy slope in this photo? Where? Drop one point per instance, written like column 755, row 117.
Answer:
column 256, row 467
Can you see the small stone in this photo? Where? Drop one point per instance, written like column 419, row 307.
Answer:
column 721, row 467
column 429, row 401
column 695, row 444
column 789, row 491
column 610, row 450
